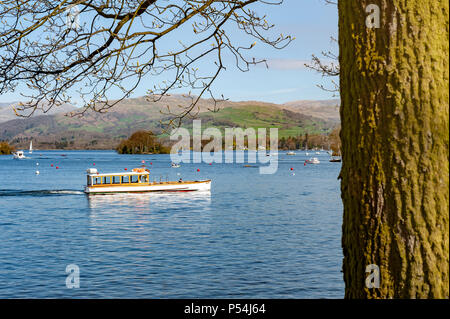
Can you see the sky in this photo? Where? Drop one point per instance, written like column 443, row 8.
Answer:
column 311, row 22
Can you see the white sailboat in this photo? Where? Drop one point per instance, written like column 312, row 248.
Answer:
column 31, row 148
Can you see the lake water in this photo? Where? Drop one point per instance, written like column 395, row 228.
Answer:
column 252, row 236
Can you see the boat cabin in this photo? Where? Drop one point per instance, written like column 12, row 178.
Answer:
column 137, row 176
column 137, row 181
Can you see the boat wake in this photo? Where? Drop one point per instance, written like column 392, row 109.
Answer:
column 14, row 192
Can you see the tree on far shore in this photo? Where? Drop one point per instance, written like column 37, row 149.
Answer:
column 142, row 142
column 6, row 149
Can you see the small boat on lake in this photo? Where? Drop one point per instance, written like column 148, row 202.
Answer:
column 31, row 148
column 335, row 158
column 175, row 165
column 137, row 181
column 290, row 153
column 18, row 155
column 313, row 160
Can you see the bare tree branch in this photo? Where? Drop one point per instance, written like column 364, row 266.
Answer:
column 328, row 66
column 94, row 49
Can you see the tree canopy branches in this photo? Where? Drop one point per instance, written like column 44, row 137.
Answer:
column 90, row 48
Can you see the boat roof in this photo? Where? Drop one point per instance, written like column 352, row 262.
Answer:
column 118, row 174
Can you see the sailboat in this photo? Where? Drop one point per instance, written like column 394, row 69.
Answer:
column 31, row 148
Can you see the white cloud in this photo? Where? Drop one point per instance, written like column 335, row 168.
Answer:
column 286, row 64
column 282, row 91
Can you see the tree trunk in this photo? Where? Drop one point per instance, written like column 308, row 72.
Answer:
column 394, row 114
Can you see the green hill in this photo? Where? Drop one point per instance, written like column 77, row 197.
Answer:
column 106, row 130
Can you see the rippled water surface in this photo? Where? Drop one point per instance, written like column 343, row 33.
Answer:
column 252, row 236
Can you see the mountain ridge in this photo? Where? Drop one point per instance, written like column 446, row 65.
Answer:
column 106, row 130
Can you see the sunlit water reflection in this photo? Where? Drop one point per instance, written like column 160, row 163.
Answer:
column 252, row 236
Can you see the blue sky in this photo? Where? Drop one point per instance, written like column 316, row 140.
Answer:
column 312, row 23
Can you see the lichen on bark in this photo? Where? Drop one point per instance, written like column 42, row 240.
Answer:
column 394, row 83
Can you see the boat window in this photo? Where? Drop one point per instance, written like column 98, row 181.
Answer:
column 144, row 179
column 97, row 180
column 134, row 178
column 106, row 180
column 89, row 181
column 125, row 179
column 116, row 179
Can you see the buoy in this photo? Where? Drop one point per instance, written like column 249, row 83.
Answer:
column 57, row 167
column 304, row 164
column 37, row 164
column 198, row 169
column 292, row 168
column 210, row 163
column 143, row 162
column 125, row 168
column 37, row 172
column 51, row 165
column 151, row 163
column 94, row 164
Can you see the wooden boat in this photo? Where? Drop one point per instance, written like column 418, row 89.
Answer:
column 335, row 158
column 137, row 181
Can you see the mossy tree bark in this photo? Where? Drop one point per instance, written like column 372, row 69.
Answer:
column 394, row 83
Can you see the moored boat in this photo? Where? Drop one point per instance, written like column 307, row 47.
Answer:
column 335, row 158
column 18, row 155
column 137, row 181
column 290, row 153
column 313, row 160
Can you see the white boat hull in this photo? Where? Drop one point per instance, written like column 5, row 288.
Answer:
column 157, row 187
column 19, row 155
